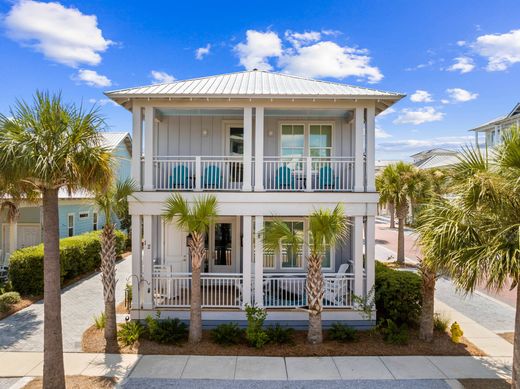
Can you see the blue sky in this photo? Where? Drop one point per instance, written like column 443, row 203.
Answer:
column 458, row 61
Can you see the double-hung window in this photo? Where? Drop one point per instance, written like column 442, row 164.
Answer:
column 293, row 140
column 320, row 140
column 301, row 140
column 287, row 257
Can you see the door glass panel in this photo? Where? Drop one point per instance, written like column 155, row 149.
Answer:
column 293, row 140
column 223, row 248
column 236, row 140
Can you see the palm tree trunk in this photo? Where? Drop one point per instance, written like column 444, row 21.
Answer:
column 108, row 277
column 197, row 254
column 516, row 348
column 401, row 213
column 315, row 293
column 427, row 311
column 391, row 209
column 53, row 371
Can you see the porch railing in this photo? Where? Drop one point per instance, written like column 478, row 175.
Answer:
column 283, row 290
column 173, row 290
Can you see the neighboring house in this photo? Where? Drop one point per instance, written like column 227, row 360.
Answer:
column 382, row 164
column 493, row 129
column 264, row 144
column 435, row 158
column 76, row 211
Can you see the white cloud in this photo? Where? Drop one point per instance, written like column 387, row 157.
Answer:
column 413, row 145
column 160, row 77
column 459, row 95
column 382, row 134
column 298, row 39
column 419, row 116
column 421, row 96
column 92, row 78
column 386, row 112
column 445, row 101
column 500, row 50
column 201, row 52
column 61, row 34
column 103, row 102
column 258, row 48
column 462, row 64
column 461, row 43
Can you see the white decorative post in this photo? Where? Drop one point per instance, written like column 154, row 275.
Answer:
column 148, row 148
column 358, row 150
column 136, row 261
column 137, row 133
column 259, row 261
column 246, row 264
column 147, row 283
column 371, row 149
column 248, row 147
column 476, row 139
column 308, row 174
column 13, row 236
column 357, row 254
column 259, row 149
column 198, row 173
column 370, row 241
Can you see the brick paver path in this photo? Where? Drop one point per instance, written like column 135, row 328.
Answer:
column 23, row 331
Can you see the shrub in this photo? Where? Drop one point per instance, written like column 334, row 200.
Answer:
column 169, row 331
column 398, row 295
column 456, row 332
column 100, row 321
column 130, row 332
column 6, row 287
column 280, row 335
column 342, row 333
column 440, row 322
column 128, row 296
column 255, row 334
column 394, row 333
column 78, row 255
column 227, row 334
column 7, row 299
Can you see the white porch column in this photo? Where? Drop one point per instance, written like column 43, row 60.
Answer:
column 476, row 139
column 370, row 239
column 136, row 261
column 13, row 236
column 147, row 263
column 246, row 263
column 148, row 148
column 358, row 150
column 259, row 261
column 248, row 147
column 357, row 254
column 137, row 133
column 259, row 149
column 371, row 149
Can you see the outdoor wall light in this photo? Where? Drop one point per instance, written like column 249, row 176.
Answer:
column 270, row 133
column 204, row 132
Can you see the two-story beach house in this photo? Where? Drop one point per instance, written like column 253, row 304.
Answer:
column 265, row 144
column 492, row 131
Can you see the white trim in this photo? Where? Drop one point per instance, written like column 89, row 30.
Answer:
column 235, row 245
column 73, row 224
column 226, row 125
column 306, row 134
column 96, row 222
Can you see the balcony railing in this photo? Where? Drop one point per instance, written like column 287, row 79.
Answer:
column 226, row 173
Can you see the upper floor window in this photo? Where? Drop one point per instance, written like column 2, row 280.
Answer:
column 320, row 140
column 299, row 140
column 293, row 140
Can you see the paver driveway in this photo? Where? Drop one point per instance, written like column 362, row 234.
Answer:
column 23, row 331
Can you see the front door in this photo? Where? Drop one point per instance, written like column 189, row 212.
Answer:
column 221, row 250
column 175, row 249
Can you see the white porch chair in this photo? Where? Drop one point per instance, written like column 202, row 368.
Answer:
column 336, row 289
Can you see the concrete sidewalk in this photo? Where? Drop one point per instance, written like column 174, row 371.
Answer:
column 126, row 367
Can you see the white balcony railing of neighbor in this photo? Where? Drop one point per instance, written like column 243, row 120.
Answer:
column 173, row 290
column 309, row 174
column 287, row 290
column 199, row 173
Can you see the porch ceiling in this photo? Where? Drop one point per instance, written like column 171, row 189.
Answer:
column 230, row 112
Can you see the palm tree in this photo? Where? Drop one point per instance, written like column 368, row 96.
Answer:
column 112, row 202
column 385, row 185
column 50, row 145
column 326, row 228
column 197, row 220
column 475, row 237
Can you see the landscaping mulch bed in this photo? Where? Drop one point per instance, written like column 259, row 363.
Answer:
column 369, row 343
column 78, row 382
column 509, row 336
column 473, row 383
column 24, row 303
column 121, row 308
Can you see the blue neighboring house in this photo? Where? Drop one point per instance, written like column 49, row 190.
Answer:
column 76, row 210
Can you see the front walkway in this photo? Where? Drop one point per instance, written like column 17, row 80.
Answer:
column 23, row 331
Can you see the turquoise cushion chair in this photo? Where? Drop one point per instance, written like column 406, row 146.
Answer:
column 179, row 177
column 212, row 177
column 284, row 178
column 326, row 178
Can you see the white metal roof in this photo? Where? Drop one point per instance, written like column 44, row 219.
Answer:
column 438, row 161
column 515, row 112
column 113, row 139
column 251, row 84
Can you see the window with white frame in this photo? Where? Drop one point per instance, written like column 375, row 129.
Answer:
column 70, row 224
column 83, row 215
column 320, row 140
column 327, row 261
column 287, row 257
column 94, row 221
column 293, row 140
column 299, row 140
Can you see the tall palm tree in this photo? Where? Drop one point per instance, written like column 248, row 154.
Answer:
column 197, row 220
column 51, row 145
column 475, row 237
column 385, row 185
column 111, row 202
column 326, row 228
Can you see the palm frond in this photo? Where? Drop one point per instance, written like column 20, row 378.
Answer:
column 328, row 228
column 277, row 233
column 197, row 218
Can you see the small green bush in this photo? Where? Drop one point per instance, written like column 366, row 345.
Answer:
column 100, row 321
column 6, row 287
column 394, row 333
column 280, row 335
column 440, row 322
column 227, row 334
column 78, row 255
column 255, row 334
column 167, row 331
column 7, row 299
column 342, row 333
column 397, row 295
column 130, row 332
